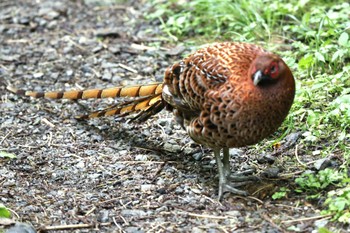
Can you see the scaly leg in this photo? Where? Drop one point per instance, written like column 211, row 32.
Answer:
column 228, row 181
column 224, row 185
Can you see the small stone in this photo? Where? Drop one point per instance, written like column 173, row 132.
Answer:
column 141, row 157
column 21, row 228
column 197, row 230
column 266, row 158
column 234, row 152
column 291, row 139
column 272, row 172
column 103, row 216
column 52, row 24
column 147, row 187
column 234, row 213
column 81, row 164
column 133, row 213
column 322, row 164
column 69, row 72
column 38, row 75
column 161, row 191
column 133, row 230
column 197, row 156
column 172, row 147
column 107, row 65
column 321, row 223
column 148, row 70
column 176, row 51
column 179, row 190
column 97, row 49
column 24, row 20
column 94, row 176
column 196, row 191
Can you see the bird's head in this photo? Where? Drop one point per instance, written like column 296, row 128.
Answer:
column 269, row 69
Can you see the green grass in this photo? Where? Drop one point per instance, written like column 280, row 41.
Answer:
column 313, row 38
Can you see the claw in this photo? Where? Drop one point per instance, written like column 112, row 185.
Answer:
column 225, row 176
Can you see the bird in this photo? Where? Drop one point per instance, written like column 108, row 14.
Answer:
column 224, row 95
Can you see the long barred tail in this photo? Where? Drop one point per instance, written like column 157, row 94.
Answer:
column 149, row 103
column 128, row 91
column 146, row 107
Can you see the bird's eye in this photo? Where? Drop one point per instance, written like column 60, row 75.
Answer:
column 273, row 71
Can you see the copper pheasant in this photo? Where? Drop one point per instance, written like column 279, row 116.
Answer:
column 225, row 95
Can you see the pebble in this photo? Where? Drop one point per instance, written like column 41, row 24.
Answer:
column 133, row 230
column 176, row 50
column 234, row 213
column 38, row 75
column 197, row 156
column 272, row 172
column 21, row 228
column 80, row 164
column 234, row 152
column 147, row 187
column 322, row 164
column 266, row 158
column 69, row 72
column 179, row 190
column 52, row 24
column 103, row 216
column 172, row 147
column 162, row 209
column 141, row 157
column 133, row 213
column 148, row 70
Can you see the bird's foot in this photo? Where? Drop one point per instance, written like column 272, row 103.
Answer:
column 230, row 183
column 242, row 176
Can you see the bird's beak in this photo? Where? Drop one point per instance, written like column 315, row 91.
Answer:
column 258, row 76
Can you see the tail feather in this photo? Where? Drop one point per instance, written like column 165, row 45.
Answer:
column 128, row 91
column 142, row 106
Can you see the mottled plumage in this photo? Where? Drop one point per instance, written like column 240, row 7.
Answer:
column 225, row 95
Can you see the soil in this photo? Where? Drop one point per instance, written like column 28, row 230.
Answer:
column 107, row 174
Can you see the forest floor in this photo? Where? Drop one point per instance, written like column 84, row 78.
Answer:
column 109, row 175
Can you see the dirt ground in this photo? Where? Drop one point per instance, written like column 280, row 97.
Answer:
column 108, row 175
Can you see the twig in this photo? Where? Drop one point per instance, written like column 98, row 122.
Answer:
column 119, row 227
column 309, row 218
column 267, row 218
column 158, row 171
column 3, row 139
column 127, row 68
column 71, row 227
column 202, row 215
column 297, row 157
column 250, row 197
column 90, row 211
column 47, row 122
column 12, row 211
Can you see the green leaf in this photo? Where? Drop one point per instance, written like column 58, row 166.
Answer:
column 343, row 39
column 306, row 62
column 345, row 218
column 4, row 213
column 323, row 230
column 320, row 57
column 4, row 154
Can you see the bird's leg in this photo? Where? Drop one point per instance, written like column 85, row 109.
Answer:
column 243, row 176
column 222, row 176
column 226, row 161
column 224, row 172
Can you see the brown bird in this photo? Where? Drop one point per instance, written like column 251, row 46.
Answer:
column 225, row 95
